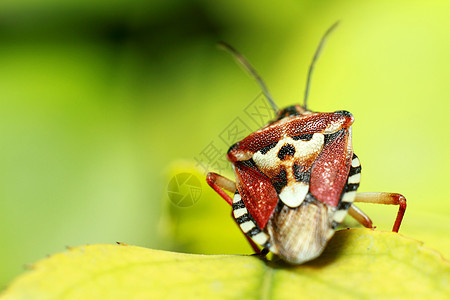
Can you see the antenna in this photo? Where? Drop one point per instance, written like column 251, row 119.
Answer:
column 248, row 67
column 316, row 56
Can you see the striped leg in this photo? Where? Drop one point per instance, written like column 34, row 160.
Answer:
column 219, row 184
column 386, row 198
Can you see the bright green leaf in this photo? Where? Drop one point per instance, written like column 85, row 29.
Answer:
column 357, row 263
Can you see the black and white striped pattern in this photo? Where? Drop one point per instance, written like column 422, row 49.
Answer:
column 349, row 192
column 247, row 223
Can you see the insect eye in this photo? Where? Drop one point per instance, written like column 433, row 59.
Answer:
column 303, row 137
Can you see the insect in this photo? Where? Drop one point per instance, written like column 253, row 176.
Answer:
column 296, row 178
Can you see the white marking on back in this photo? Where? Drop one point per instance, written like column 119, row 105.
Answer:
column 293, row 194
column 242, row 155
column 349, row 196
column 237, row 198
column 239, row 212
column 247, row 226
column 303, row 150
column 339, row 215
column 334, row 126
column 260, row 238
column 354, row 178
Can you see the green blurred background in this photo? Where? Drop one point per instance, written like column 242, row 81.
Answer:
column 102, row 102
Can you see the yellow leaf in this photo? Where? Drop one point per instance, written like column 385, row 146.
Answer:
column 357, row 263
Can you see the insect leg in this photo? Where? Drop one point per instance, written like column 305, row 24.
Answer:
column 360, row 216
column 386, row 198
column 219, row 184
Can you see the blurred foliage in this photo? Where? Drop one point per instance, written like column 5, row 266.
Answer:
column 100, row 100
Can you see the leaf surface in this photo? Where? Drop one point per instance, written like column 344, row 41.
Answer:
column 358, row 263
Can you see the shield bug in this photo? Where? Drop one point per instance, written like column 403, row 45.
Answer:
column 296, row 178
